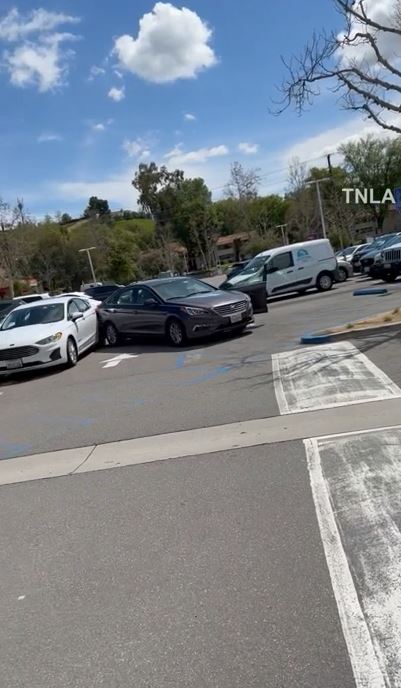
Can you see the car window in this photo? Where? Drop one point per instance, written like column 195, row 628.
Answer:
column 81, row 305
column 282, row 261
column 127, row 297
column 72, row 308
column 36, row 315
column 142, row 295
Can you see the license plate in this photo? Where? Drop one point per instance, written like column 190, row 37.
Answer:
column 387, row 266
column 237, row 317
column 13, row 365
column 366, row 270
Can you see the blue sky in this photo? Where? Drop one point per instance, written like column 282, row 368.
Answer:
column 88, row 92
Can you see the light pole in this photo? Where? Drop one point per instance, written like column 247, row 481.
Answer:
column 283, row 233
column 319, row 200
column 88, row 253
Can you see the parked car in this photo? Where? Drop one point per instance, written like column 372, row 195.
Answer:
column 8, row 305
column 369, row 265
column 31, row 298
column 374, row 246
column 294, row 268
column 388, row 263
column 236, row 268
column 47, row 334
column 101, row 292
column 348, row 252
column 179, row 308
column 344, row 270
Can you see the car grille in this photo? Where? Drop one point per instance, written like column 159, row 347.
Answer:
column 392, row 254
column 18, row 352
column 231, row 308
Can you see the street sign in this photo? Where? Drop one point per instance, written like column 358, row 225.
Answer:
column 397, row 198
column 116, row 360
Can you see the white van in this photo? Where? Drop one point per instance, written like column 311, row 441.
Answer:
column 298, row 267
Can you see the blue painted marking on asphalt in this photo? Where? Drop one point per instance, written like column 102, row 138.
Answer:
column 8, row 450
column 180, row 360
column 211, row 375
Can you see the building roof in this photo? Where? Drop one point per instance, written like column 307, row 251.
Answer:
column 232, row 238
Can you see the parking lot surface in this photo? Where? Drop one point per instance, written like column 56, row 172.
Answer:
column 155, row 389
column 256, row 543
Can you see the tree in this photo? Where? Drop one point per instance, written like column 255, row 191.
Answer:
column 97, row 207
column 12, row 256
column 373, row 163
column 158, row 196
column 258, row 244
column 243, row 184
column 65, row 218
column 361, row 63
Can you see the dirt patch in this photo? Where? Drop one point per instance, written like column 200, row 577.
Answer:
column 388, row 318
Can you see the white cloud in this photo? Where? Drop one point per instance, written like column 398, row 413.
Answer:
column 117, row 94
column 99, row 127
column 329, row 140
column 117, row 188
column 382, row 12
column 15, row 26
column 49, row 136
column 248, row 148
column 96, row 71
column 42, row 64
column 178, row 157
column 172, row 44
column 138, row 148
column 42, row 60
column 189, row 117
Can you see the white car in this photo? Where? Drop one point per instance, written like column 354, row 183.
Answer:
column 80, row 295
column 48, row 333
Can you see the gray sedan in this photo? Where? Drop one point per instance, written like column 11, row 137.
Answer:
column 179, row 308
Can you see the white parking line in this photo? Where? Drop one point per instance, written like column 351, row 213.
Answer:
column 328, row 376
column 356, row 485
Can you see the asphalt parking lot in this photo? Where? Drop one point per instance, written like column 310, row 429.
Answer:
column 210, row 555
column 157, row 389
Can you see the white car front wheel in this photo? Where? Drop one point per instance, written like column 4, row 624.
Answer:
column 72, row 353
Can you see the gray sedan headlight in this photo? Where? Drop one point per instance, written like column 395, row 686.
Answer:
column 194, row 311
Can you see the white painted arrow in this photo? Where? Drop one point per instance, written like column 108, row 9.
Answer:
column 113, row 362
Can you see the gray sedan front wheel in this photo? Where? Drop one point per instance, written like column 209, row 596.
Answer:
column 175, row 332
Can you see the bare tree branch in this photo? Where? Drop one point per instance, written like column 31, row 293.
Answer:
column 363, row 87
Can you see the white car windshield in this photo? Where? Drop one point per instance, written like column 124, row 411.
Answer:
column 37, row 315
column 255, row 265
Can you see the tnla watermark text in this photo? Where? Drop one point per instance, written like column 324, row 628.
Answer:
column 368, row 196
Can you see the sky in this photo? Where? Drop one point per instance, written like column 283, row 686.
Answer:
column 91, row 89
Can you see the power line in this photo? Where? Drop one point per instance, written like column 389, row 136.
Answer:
column 279, row 170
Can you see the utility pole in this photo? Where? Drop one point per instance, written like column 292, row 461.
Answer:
column 283, row 233
column 317, row 182
column 88, row 253
column 329, row 164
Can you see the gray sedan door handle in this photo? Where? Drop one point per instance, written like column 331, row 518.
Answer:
column 110, row 310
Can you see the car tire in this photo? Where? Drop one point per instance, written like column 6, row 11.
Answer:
column 342, row 275
column 324, row 281
column 389, row 277
column 72, row 353
column 111, row 334
column 175, row 332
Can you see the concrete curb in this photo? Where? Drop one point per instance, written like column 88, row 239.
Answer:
column 370, row 291
column 322, row 338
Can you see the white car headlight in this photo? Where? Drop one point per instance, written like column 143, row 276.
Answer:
column 194, row 311
column 51, row 339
